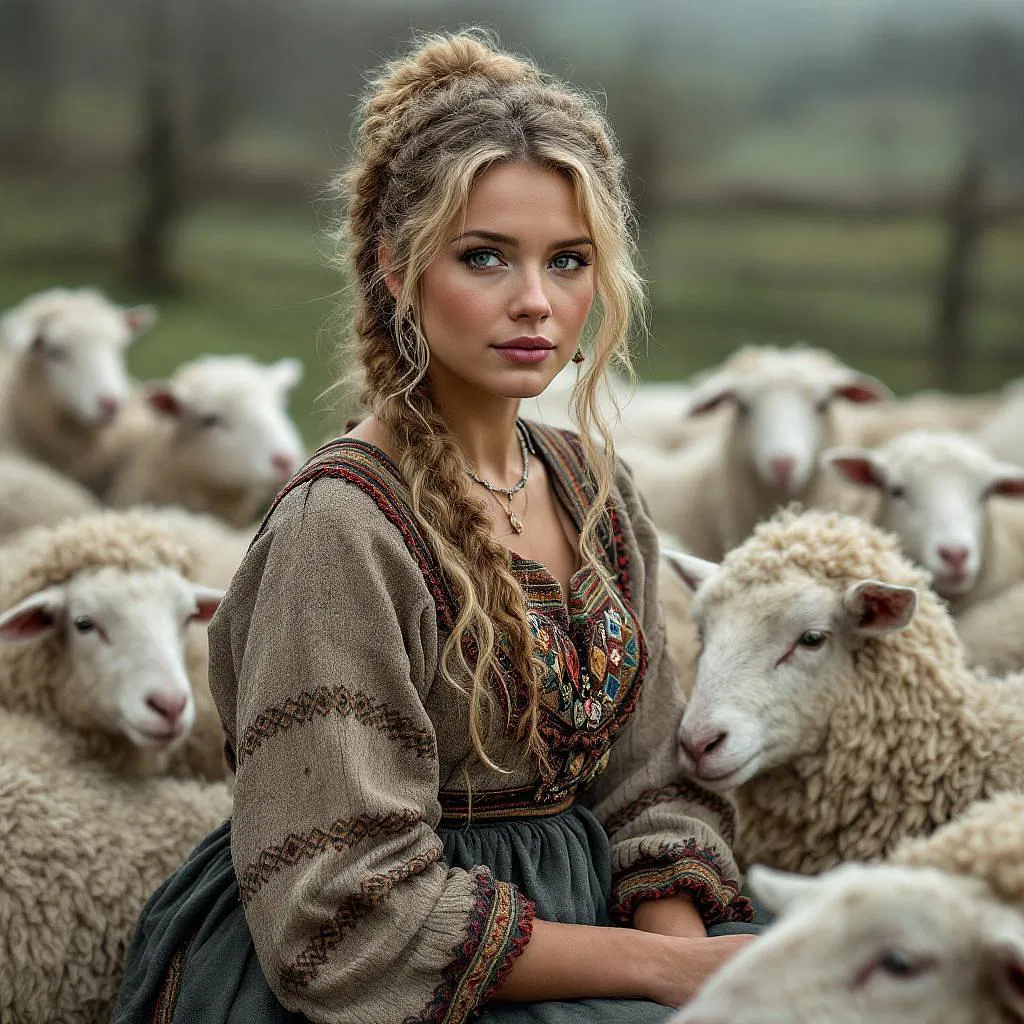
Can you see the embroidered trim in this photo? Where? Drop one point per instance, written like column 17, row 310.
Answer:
column 685, row 791
column 373, row 472
column 340, row 835
column 170, row 987
column 457, row 808
column 327, row 700
column 499, row 927
column 372, row 893
column 676, row 868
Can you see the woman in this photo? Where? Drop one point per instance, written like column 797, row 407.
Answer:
column 441, row 666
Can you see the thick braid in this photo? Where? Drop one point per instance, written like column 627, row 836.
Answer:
column 432, row 121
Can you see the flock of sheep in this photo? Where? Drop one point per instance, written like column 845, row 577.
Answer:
column 850, row 686
column 844, row 588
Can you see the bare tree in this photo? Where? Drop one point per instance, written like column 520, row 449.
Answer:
column 965, row 220
column 29, row 59
column 159, row 160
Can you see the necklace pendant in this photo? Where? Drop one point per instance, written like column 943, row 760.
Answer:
column 515, row 522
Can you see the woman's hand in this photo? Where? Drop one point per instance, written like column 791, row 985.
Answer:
column 683, row 965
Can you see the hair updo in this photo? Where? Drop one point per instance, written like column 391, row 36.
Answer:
column 430, row 124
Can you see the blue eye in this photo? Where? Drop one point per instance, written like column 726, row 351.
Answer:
column 569, row 261
column 481, row 259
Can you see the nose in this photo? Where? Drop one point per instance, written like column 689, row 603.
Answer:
column 283, row 465
column 782, row 470
column 530, row 301
column 169, row 706
column 954, row 555
column 697, row 747
column 108, row 406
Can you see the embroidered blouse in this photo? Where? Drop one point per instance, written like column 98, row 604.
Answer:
column 351, row 749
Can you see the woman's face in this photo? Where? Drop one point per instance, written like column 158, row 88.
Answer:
column 504, row 303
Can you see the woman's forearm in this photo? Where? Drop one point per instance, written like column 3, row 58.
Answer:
column 670, row 915
column 576, row 961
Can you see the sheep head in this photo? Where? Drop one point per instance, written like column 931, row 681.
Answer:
column 782, row 400
column 862, row 943
column 935, row 488
column 115, row 658
column 75, row 342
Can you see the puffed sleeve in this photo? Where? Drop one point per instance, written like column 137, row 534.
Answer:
column 668, row 835
column 323, row 654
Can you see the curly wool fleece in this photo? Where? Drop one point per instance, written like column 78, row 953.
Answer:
column 912, row 736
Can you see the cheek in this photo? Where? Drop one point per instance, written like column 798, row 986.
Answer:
column 457, row 307
column 575, row 305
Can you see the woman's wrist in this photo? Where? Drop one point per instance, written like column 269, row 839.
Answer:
column 670, row 915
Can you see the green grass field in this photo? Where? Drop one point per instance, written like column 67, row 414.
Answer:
column 255, row 278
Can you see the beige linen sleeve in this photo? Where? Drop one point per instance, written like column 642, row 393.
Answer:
column 668, row 835
column 322, row 655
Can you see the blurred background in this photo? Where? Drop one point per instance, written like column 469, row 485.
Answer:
column 849, row 174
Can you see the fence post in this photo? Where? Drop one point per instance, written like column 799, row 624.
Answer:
column 965, row 223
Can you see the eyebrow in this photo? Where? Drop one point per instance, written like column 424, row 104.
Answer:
column 494, row 236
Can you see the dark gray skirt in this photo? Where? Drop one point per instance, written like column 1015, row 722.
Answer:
column 192, row 961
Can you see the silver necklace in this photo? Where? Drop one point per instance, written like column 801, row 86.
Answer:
column 509, row 492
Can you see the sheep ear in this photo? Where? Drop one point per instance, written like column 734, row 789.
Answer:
column 1008, row 481
column 286, row 373
column 139, row 318
column 693, row 571
column 711, row 394
column 208, row 599
column 1004, row 953
column 861, row 388
column 857, row 465
column 778, row 890
column 162, row 399
column 877, row 607
column 34, row 616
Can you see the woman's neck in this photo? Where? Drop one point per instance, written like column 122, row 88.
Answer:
column 485, row 428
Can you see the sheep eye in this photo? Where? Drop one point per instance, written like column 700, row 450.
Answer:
column 211, row 419
column 54, row 353
column 84, row 624
column 822, row 407
column 897, row 491
column 900, row 964
column 812, row 639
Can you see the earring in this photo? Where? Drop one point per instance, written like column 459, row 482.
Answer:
column 577, row 356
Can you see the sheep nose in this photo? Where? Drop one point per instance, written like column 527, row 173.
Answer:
column 167, row 705
column 955, row 556
column 697, row 747
column 108, row 407
column 283, row 465
column 782, row 468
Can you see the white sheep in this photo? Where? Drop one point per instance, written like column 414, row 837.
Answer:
column 33, row 494
column 1002, row 433
column 924, row 410
column 64, row 380
column 93, row 620
column 782, row 415
column 936, row 934
column 941, row 492
column 865, row 944
column 992, row 634
column 215, row 438
column 652, row 415
column 832, row 694
column 83, row 849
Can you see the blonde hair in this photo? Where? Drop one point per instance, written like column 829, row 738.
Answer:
column 431, row 123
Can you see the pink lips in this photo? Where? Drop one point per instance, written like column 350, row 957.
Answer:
column 525, row 349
